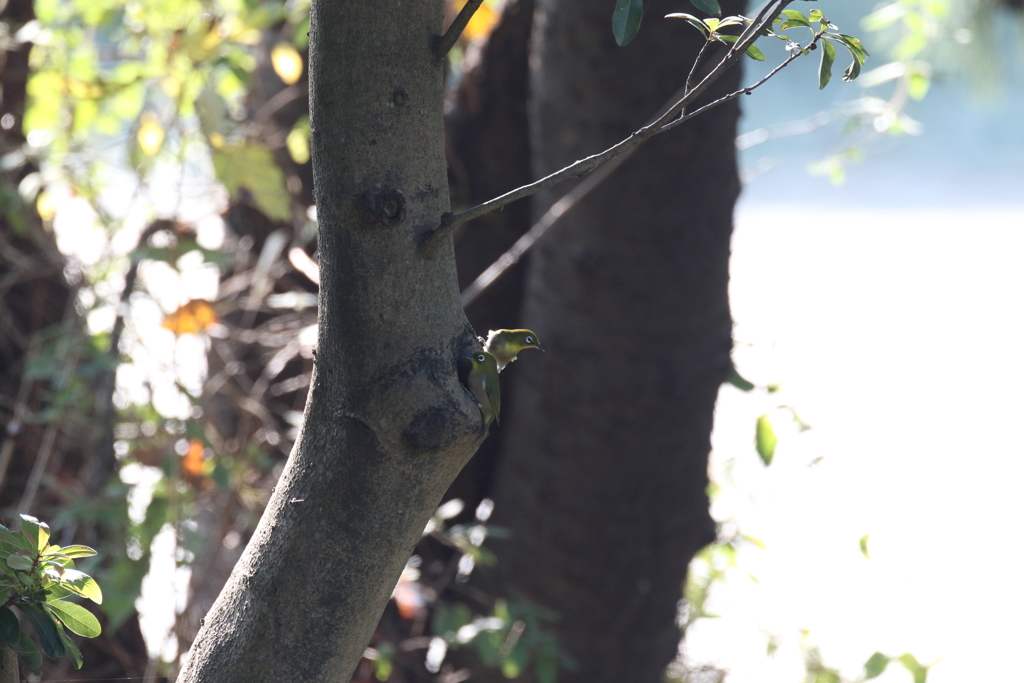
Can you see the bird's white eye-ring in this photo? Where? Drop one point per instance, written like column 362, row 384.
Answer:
column 529, row 340
column 481, row 358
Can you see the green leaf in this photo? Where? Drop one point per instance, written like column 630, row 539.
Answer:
column 754, row 53
column 816, row 15
column 45, row 628
column 751, row 51
column 37, row 532
column 19, row 562
column 7, row 538
column 72, row 649
column 78, row 619
column 690, row 19
column 81, row 584
column 709, row 6
column 855, row 46
column 795, row 17
column 910, row 663
column 76, row 551
column 28, row 652
column 864, row 546
column 828, row 56
column 851, row 71
column 737, row 380
column 875, row 665
column 58, row 592
column 765, row 440
column 251, row 167
column 8, row 626
column 626, row 20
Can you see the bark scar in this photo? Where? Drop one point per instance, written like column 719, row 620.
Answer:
column 385, row 206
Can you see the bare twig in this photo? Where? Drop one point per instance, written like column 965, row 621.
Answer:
column 749, row 89
column 559, row 208
column 447, row 41
column 450, row 222
column 693, row 69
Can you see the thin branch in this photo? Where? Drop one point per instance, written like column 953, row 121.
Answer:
column 450, row 222
column 693, row 69
column 794, row 54
column 447, row 41
column 563, row 205
column 557, row 210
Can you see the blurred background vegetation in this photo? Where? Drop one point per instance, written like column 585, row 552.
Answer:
column 158, row 282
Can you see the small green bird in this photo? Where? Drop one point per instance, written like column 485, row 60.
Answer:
column 504, row 345
column 479, row 374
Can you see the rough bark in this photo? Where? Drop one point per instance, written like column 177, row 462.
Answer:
column 603, row 472
column 387, row 425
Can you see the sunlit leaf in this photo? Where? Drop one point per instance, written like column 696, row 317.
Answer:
column 692, row 20
column 82, row 584
column 287, row 62
column 76, row 551
column 150, row 134
column 828, row 56
column 709, row 6
column 875, row 665
column 864, row 546
column 78, row 619
column 765, row 440
column 626, row 18
column 38, row 533
column 193, row 317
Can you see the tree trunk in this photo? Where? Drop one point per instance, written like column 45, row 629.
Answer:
column 387, row 425
column 603, row 471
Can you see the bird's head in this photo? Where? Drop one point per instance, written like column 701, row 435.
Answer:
column 517, row 340
column 484, row 362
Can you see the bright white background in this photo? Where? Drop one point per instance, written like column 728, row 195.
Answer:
column 891, row 311
column 897, row 336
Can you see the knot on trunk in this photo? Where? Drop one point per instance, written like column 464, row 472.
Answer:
column 384, row 206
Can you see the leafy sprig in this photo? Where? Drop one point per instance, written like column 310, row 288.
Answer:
column 38, row 578
column 826, row 34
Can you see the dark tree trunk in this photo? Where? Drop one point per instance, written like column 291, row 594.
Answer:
column 488, row 155
column 602, row 475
